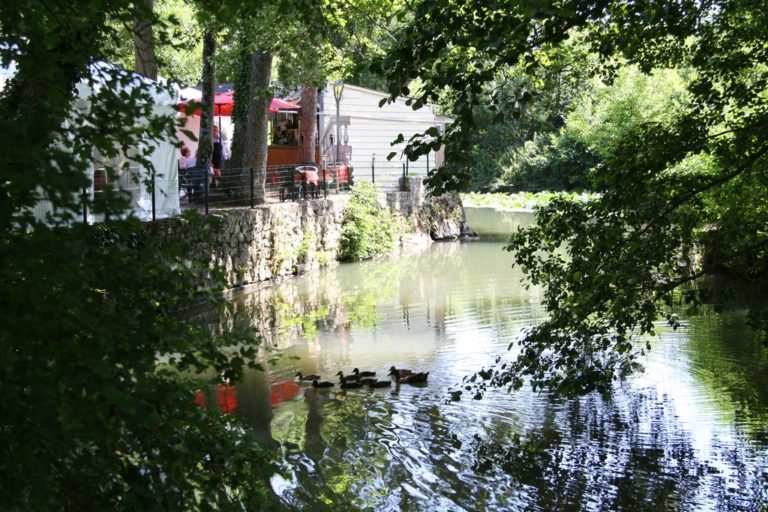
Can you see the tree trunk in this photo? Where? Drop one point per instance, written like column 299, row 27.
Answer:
column 143, row 43
column 257, row 127
column 205, row 137
column 308, row 123
column 240, row 116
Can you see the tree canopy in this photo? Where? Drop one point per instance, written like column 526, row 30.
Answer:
column 685, row 177
column 98, row 360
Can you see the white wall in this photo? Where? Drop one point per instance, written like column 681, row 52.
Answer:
column 372, row 129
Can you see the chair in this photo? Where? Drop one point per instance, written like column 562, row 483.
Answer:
column 197, row 178
column 329, row 178
column 309, row 181
column 341, row 172
column 286, row 185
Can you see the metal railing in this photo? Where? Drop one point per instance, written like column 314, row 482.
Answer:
column 199, row 188
column 202, row 189
column 291, row 182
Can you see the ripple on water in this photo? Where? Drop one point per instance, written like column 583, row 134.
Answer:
column 688, row 434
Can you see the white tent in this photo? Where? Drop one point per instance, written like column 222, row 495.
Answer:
column 164, row 159
column 134, row 179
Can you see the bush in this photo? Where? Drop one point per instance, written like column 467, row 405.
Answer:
column 367, row 229
column 548, row 162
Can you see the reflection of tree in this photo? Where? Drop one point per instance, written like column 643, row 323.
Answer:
column 362, row 449
column 349, row 295
column 254, row 405
column 735, row 373
column 314, row 446
column 590, row 454
column 625, row 454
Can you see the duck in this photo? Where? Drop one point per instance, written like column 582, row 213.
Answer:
column 363, row 374
column 403, row 371
column 414, row 378
column 347, row 378
column 351, row 385
column 323, row 384
column 380, row 384
column 307, row 377
column 367, row 380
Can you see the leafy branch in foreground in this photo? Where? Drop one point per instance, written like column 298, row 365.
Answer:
column 97, row 365
column 690, row 182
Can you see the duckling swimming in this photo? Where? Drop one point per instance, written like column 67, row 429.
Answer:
column 414, row 378
column 403, row 372
column 363, row 374
column 347, row 378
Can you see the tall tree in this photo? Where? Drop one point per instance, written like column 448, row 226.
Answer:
column 205, row 137
column 304, row 64
column 144, row 45
column 261, row 33
column 257, row 127
column 308, row 122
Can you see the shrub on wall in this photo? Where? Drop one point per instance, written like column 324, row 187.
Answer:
column 367, row 228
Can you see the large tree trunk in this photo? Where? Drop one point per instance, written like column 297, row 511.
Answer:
column 144, row 46
column 240, row 116
column 257, row 126
column 205, row 137
column 308, row 123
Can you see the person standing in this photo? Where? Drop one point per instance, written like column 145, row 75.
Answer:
column 219, row 154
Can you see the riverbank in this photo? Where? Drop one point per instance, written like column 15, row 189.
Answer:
column 274, row 241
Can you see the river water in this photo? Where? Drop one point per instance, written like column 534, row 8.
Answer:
column 689, row 433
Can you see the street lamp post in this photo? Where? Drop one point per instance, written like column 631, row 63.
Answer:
column 338, row 89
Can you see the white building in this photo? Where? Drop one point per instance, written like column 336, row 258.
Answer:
column 368, row 130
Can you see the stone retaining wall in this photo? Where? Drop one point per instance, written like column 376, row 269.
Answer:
column 278, row 240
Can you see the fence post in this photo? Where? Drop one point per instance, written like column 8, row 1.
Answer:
column 427, row 162
column 207, row 186
column 325, row 182
column 154, row 205
column 373, row 168
column 253, row 203
column 85, row 205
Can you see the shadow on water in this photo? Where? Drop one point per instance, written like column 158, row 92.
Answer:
column 688, row 434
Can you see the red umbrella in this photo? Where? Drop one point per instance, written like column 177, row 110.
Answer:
column 277, row 104
column 223, row 103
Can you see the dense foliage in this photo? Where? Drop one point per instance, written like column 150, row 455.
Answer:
column 97, row 363
column 523, row 149
column 367, row 229
column 688, row 175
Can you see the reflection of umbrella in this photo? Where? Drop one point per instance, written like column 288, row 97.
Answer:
column 227, row 398
column 283, row 391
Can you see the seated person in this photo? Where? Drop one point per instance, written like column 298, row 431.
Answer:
column 184, row 159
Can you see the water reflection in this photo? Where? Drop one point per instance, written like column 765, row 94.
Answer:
column 689, row 434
